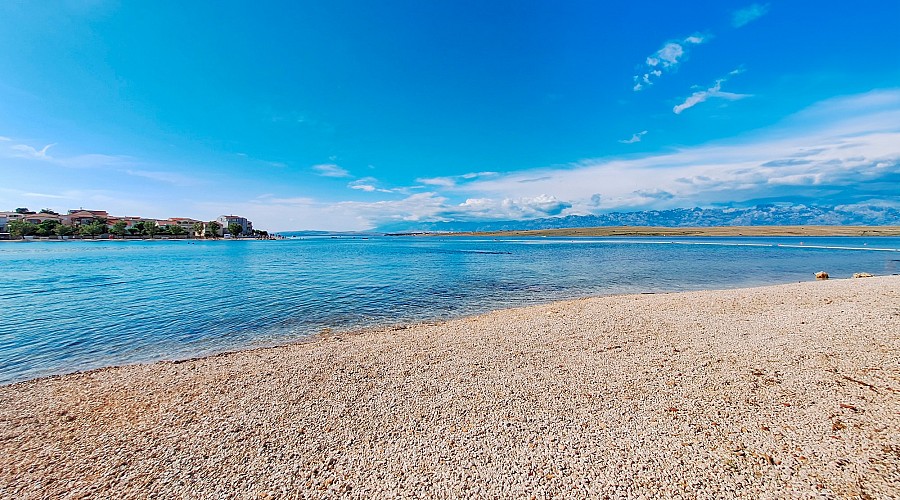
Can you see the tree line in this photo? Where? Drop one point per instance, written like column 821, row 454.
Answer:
column 21, row 228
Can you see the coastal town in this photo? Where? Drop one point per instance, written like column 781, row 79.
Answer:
column 25, row 224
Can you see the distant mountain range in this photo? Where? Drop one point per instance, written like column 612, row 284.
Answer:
column 760, row 215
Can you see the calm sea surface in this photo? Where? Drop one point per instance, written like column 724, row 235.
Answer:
column 69, row 306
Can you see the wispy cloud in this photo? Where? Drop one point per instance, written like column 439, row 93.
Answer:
column 108, row 163
column 44, row 195
column 94, row 160
column 89, row 160
column 454, row 180
column 26, row 151
column 437, row 181
column 331, row 170
column 748, row 14
column 172, row 178
column 634, row 138
column 3, row 138
column 843, row 145
column 664, row 60
column 369, row 185
column 714, row 92
column 840, row 151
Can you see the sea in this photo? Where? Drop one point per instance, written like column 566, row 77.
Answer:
column 71, row 306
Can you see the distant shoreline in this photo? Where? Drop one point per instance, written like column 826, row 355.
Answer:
column 694, row 231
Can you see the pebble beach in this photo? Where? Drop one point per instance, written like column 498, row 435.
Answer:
column 781, row 391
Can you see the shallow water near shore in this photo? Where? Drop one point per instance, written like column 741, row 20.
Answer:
column 72, row 306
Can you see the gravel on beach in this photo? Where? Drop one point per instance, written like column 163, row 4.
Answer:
column 781, row 391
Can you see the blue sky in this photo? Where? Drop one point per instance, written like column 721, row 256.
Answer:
column 346, row 115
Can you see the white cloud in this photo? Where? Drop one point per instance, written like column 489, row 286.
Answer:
column 844, row 144
column 713, row 92
column 748, row 14
column 433, row 207
column 90, row 160
column 839, row 146
column 541, row 205
column 369, row 185
column 665, row 59
column 26, row 151
column 634, row 138
column 284, row 214
column 437, row 181
column 454, row 180
column 361, row 186
column 44, row 195
column 331, row 170
column 475, row 175
column 666, row 56
column 4, row 138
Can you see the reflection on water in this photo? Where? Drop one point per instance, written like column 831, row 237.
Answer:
column 78, row 305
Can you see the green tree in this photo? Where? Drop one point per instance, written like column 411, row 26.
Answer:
column 45, row 228
column 64, row 230
column 197, row 229
column 118, row 228
column 212, row 229
column 235, row 229
column 150, row 228
column 21, row 228
column 47, row 211
column 93, row 229
column 176, row 230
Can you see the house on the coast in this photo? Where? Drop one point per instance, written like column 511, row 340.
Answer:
column 4, row 220
column 185, row 223
column 226, row 220
column 26, row 216
column 7, row 217
column 82, row 217
column 40, row 217
column 129, row 221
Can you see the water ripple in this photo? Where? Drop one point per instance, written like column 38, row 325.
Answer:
column 76, row 306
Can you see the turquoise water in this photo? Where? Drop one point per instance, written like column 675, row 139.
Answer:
column 70, row 306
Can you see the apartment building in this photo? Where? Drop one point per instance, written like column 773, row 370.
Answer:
column 226, row 220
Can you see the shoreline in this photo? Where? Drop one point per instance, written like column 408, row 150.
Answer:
column 510, row 402
column 808, row 231
column 329, row 333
